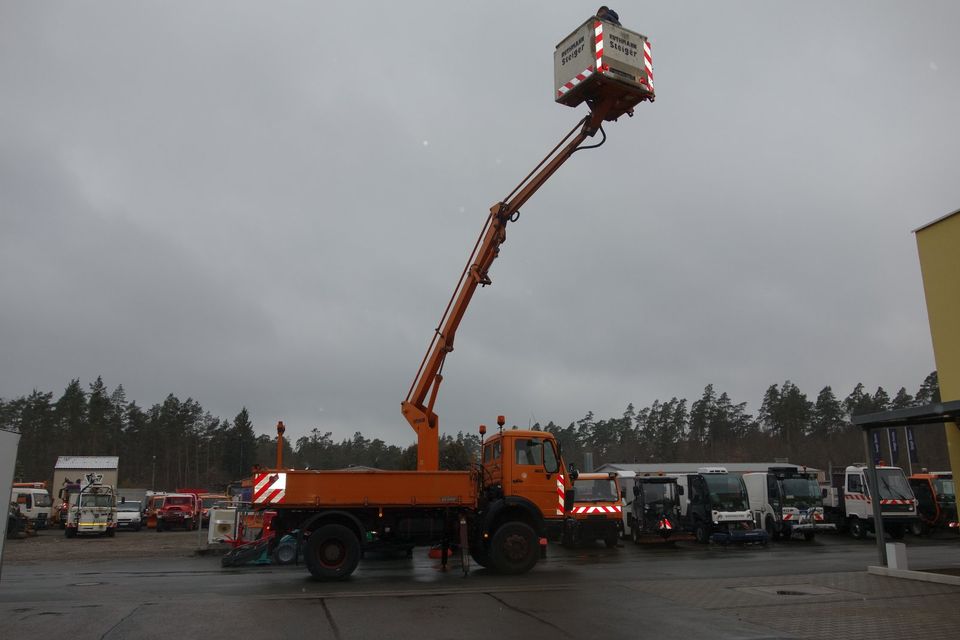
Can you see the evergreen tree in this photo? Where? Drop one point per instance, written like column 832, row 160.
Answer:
column 929, row 391
column 828, row 417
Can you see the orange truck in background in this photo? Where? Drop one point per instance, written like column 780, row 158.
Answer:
column 597, row 512
column 501, row 511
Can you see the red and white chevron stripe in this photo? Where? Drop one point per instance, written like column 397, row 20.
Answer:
column 648, row 61
column 580, row 77
column 598, row 40
column 269, row 488
column 895, row 501
column 561, row 494
column 598, row 509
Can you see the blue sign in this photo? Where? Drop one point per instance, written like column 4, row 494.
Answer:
column 912, row 446
column 877, row 456
column 894, row 445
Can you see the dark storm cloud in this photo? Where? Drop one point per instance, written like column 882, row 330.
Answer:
column 269, row 205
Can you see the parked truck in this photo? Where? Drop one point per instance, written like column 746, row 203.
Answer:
column 652, row 510
column 502, row 509
column 936, row 502
column 93, row 509
column 597, row 512
column 714, row 507
column 787, row 501
column 34, row 502
column 848, row 503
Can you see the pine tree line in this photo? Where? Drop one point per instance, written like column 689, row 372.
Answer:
column 177, row 443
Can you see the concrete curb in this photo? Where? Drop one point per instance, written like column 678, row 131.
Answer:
column 923, row 576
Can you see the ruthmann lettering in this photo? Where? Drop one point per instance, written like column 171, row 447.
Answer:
column 623, row 45
column 572, row 51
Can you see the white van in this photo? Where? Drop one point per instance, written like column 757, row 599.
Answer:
column 34, row 502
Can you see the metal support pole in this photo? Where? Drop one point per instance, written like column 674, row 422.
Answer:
column 874, row 488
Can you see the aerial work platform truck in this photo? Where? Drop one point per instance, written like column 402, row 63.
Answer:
column 501, row 511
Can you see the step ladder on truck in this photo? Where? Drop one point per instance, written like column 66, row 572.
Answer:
column 500, row 512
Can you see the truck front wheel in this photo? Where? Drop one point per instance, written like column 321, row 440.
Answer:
column 858, row 529
column 514, row 548
column 332, row 552
column 702, row 533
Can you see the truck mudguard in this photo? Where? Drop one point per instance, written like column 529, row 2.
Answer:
column 499, row 508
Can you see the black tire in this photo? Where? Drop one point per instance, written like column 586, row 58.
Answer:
column 137, row 528
column 635, row 533
column 514, row 548
column 611, row 539
column 13, row 527
column 159, row 527
column 772, row 534
column 897, row 531
column 285, row 553
column 480, row 554
column 808, row 535
column 332, row 552
column 70, row 533
column 702, row 533
column 111, row 532
column 858, row 530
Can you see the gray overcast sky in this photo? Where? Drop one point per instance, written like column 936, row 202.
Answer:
column 268, row 204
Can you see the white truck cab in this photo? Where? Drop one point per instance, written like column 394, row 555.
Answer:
column 786, row 501
column 848, row 503
column 93, row 509
column 34, row 502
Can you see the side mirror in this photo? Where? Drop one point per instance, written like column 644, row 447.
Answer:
column 623, row 493
column 636, row 492
column 574, row 474
column 679, row 490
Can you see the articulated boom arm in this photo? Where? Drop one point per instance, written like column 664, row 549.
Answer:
column 418, row 407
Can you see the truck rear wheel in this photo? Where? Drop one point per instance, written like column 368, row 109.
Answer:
column 514, row 548
column 332, row 553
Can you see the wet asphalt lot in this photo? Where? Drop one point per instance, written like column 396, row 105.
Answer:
column 629, row 592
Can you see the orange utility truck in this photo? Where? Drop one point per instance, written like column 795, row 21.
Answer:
column 597, row 512
column 501, row 511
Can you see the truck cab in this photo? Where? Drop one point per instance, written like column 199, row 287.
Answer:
column 786, row 501
column 179, row 511
column 715, row 507
column 525, row 467
column 597, row 511
column 93, row 509
column 34, row 502
column 849, row 503
column 936, row 501
column 654, row 510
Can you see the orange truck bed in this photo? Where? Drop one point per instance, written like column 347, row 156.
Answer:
column 292, row 488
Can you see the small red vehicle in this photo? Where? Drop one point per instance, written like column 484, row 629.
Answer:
column 179, row 511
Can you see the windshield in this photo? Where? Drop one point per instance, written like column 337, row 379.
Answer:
column 797, row 491
column 596, row 490
column 212, row 500
column 97, row 500
column 128, row 506
column 945, row 490
column 659, row 492
column 727, row 492
column 41, row 500
column 893, row 485
column 178, row 500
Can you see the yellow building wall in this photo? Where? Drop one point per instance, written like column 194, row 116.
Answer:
column 939, row 248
